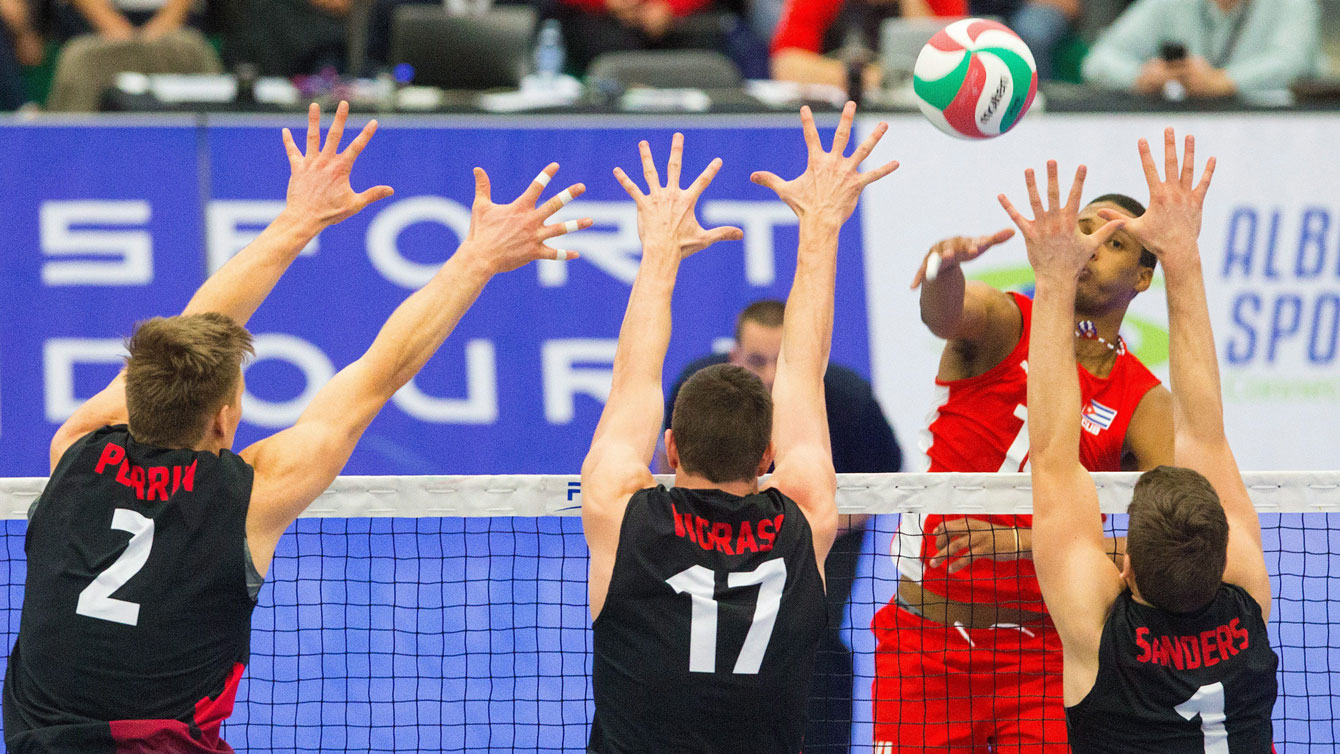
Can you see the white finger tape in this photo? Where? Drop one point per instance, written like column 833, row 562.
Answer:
column 571, row 226
column 564, row 197
column 932, row 267
column 560, row 255
column 542, row 179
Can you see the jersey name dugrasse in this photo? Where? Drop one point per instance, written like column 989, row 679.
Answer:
column 136, row 617
column 1180, row 683
column 707, row 638
column 981, row 424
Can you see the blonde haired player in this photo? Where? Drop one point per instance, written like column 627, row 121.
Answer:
column 1168, row 653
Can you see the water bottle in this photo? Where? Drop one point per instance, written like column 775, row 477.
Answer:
column 549, row 52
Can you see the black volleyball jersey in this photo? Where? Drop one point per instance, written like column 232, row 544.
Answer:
column 707, row 638
column 1180, row 683
column 136, row 616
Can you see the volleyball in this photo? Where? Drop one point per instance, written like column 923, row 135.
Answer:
column 975, row 79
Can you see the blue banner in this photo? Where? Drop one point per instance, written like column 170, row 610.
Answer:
column 110, row 225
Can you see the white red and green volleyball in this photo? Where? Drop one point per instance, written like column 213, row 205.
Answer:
column 975, row 79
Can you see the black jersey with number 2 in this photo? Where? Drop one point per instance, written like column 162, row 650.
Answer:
column 1194, row 683
column 136, row 616
column 707, row 637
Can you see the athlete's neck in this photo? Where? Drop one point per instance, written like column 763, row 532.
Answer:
column 1093, row 354
column 695, row 482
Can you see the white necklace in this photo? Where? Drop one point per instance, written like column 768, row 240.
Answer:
column 1087, row 330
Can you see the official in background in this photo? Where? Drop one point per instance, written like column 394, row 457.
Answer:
column 863, row 442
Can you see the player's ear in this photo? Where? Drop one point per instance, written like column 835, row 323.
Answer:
column 1127, row 574
column 769, row 453
column 1143, row 279
column 671, row 452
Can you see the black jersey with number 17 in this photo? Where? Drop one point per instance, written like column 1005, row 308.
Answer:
column 707, row 637
column 1180, row 683
column 136, row 615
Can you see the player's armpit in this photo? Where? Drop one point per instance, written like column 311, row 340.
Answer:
column 105, row 408
column 1149, row 437
column 805, row 474
column 611, row 474
column 989, row 329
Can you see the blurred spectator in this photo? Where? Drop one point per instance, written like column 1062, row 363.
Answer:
column 286, row 37
column 810, row 29
column 1042, row 24
column 20, row 44
column 591, row 27
column 1211, row 48
column 148, row 36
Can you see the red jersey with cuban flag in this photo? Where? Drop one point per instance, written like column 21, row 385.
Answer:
column 980, row 425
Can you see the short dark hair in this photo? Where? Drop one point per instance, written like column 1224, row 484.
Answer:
column 767, row 312
column 722, row 423
column 1133, row 206
column 180, row 371
column 1178, row 539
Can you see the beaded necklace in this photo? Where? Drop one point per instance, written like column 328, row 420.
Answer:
column 1087, row 330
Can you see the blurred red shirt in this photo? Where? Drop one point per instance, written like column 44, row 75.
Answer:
column 804, row 22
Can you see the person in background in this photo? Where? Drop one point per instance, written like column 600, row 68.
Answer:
column 107, row 37
column 810, row 31
column 863, row 442
column 1208, row 48
column 286, row 37
column 20, row 44
column 591, row 27
column 1040, row 23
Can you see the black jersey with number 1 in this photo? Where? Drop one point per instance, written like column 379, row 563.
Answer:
column 707, row 637
column 1184, row 683
column 136, row 616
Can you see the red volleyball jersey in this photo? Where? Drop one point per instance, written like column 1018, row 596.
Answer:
column 981, row 424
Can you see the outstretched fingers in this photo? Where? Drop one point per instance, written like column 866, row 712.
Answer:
column 1203, row 187
column 724, row 233
column 374, row 194
column 1147, row 162
column 870, row 176
column 483, row 192
column 704, row 179
column 1169, row 155
column 336, row 132
column 1189, row 163
column 843, row 133
column 649, row 166
column 560, row 255
column 1053, row 187
column 558, row 202
column 360, row 141
column 1031, row 181
column 313, row 128
column 999, row 237
column 867, row 146
column 1076, row 189
column 767, row 180
column 291, row 149
column 812, row 142
column 676, row 163
column 1023, row 224
column 1100, row 236
column 532, row 193
column 567, row 226
column 634, row 192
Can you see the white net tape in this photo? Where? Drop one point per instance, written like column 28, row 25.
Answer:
column 533, row 495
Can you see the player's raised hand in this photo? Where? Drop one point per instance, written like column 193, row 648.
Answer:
column 952, row 252
column 1171, row 223
column 318, row 185
column 1055, row 244
column 665, row 214
column 507, row 236
column 832, row 182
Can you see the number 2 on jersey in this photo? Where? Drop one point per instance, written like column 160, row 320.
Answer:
column 1208, row 702
column 700, row 584
column 96, row 600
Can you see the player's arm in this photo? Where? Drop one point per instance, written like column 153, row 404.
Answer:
column 957, row 310
column 319, row 195
column 823, row 197
column 1149, row 436
column 1079, row 580
column 296, row 465
column 1170, row 228
column 616, row 465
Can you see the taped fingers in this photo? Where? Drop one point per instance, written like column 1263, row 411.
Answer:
column 932, row 267
column 561, row 200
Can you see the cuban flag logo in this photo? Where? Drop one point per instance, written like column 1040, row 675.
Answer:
column 1097, row 417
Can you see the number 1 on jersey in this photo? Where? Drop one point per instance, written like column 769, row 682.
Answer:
column 700, row 584
column 1208, row 702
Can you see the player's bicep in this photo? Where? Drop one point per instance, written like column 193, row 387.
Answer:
column 611, row 474
column 292, row 469
column 990, row 316
column 1079, row 581
column 1149, row 436
column 105, row 408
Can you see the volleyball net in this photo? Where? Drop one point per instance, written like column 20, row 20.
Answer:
column 449, row 613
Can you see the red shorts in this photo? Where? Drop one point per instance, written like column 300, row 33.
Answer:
column 945, row 689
